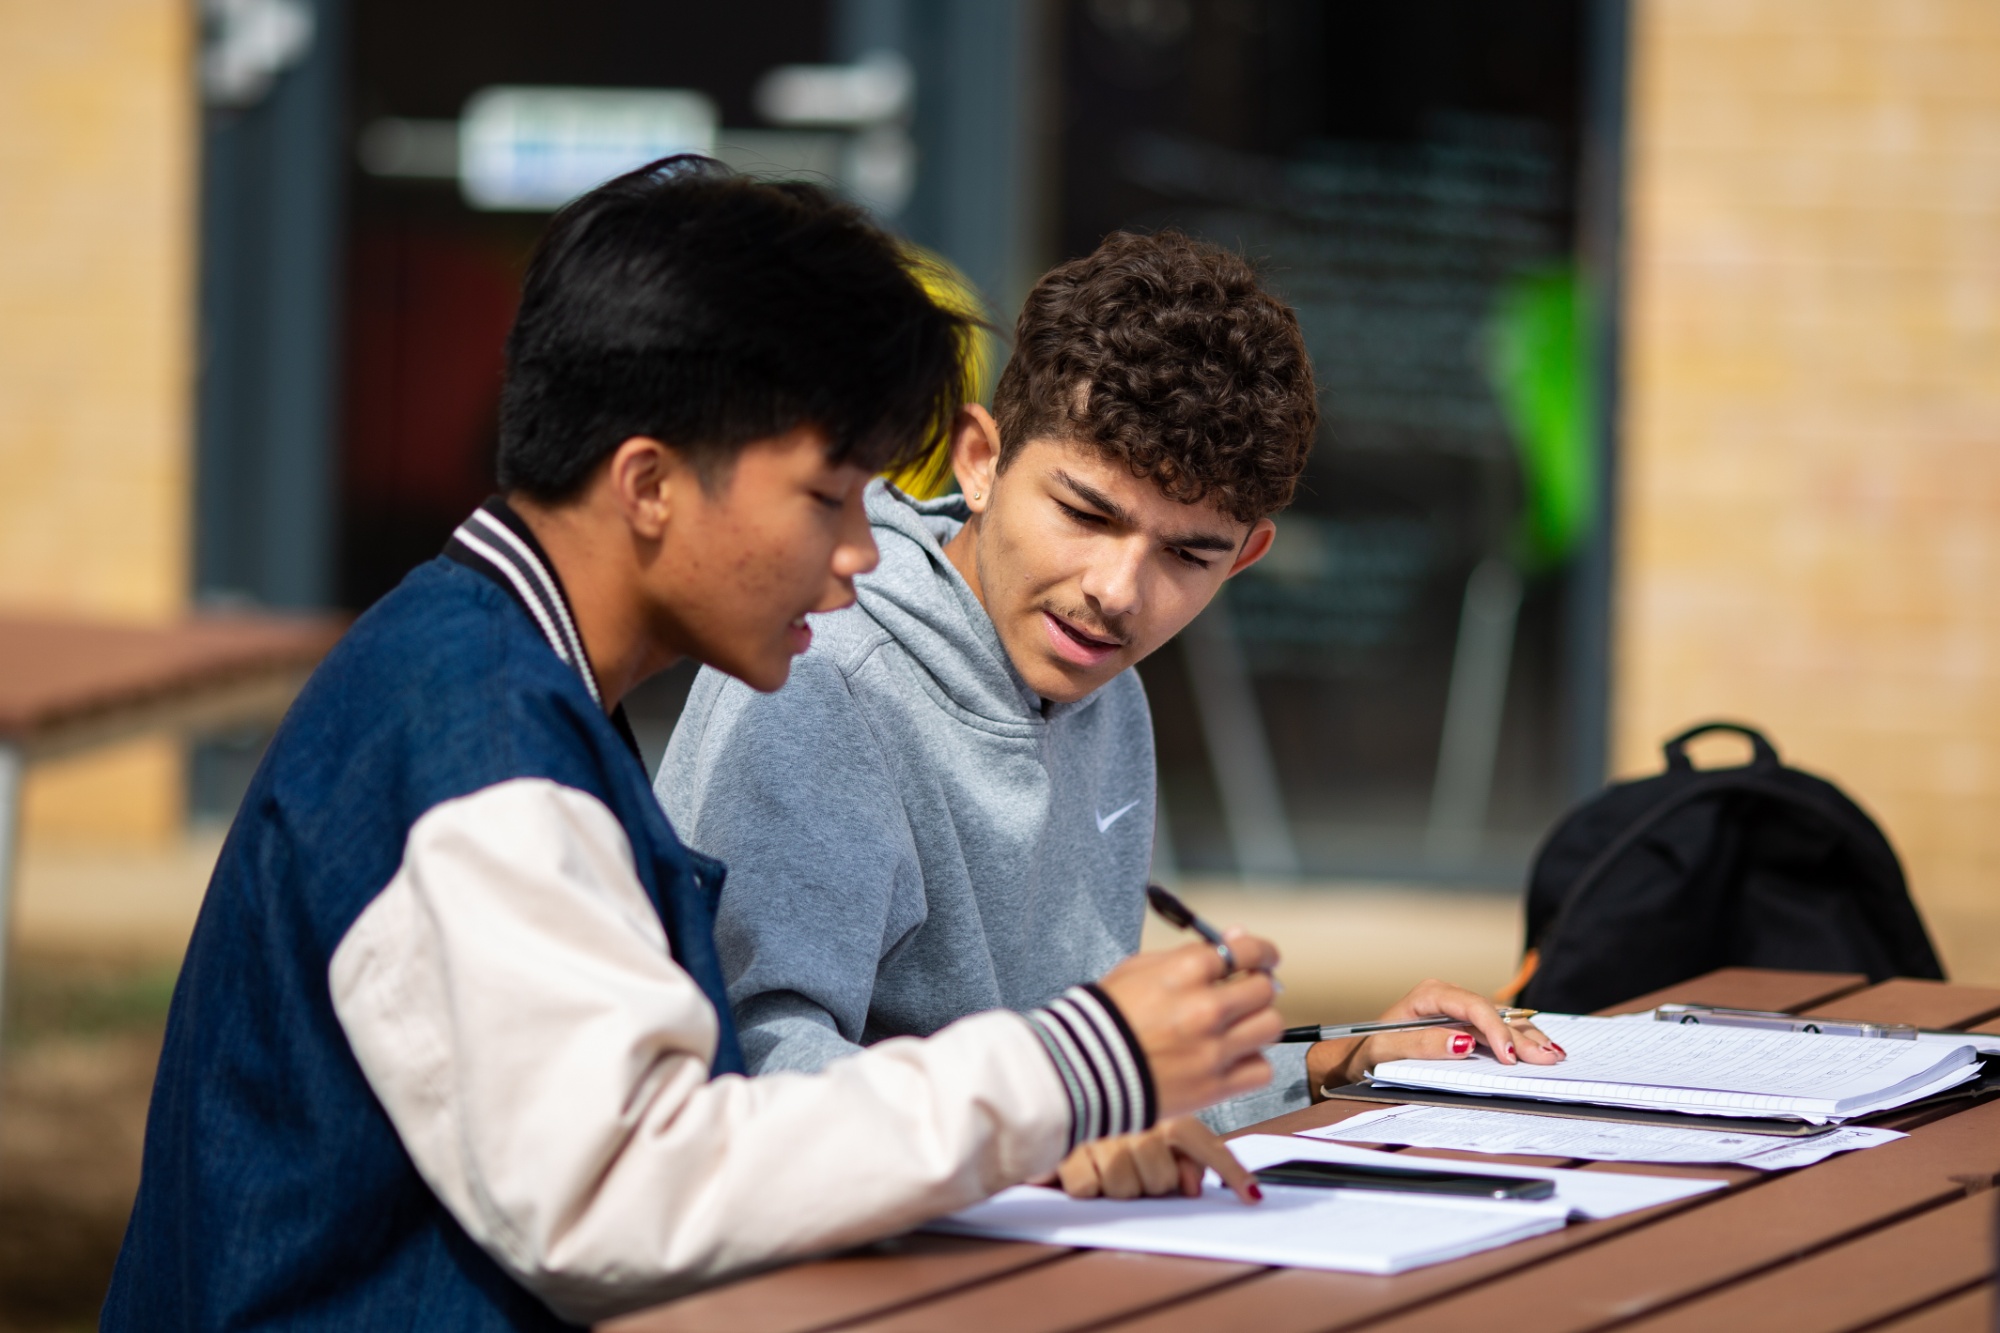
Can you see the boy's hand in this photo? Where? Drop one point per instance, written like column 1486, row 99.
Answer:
column 1203, row 1033
column 1337, row 1062
column 1166, row 1159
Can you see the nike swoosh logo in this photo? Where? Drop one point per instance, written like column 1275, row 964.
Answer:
column 1104, row 822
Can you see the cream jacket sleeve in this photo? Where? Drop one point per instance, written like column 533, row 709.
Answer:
column 511, row 998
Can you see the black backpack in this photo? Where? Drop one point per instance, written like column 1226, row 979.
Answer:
column 1662, row 879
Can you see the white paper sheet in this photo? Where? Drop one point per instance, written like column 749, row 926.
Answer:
column 1704, row 1070
column 1590, row 1194
column 1360, row 1231
column 1468, row 1130
column 1349, row 1230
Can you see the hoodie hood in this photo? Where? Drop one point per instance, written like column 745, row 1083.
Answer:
column 919, row 598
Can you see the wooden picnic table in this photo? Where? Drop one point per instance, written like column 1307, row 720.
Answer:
column 1898, row 1238
column 67, row 686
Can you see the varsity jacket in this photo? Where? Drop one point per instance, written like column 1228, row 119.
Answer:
column 450, row 1048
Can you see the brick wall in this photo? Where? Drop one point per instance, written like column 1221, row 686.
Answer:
column 97, row 191
column 1810, row 515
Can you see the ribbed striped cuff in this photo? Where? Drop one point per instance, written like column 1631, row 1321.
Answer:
column 1100, row 1063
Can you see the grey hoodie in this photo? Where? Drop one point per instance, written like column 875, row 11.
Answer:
column 913, row 835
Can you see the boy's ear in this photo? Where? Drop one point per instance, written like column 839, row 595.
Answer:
column 645, row 476
column 1255, row 547
column 975, row 454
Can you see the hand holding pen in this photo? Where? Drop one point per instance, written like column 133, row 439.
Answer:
column 1165, row 995
column 1177, row 913
column 1402, row 1032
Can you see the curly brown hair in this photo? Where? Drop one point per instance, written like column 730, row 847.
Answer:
column 1164, row 352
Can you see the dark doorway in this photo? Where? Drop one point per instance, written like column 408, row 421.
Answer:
column 1407, row 176
column 431, row 283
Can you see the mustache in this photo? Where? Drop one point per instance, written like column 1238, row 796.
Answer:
column 1088, row 623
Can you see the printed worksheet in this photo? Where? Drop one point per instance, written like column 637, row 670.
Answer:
column 1468, row 1130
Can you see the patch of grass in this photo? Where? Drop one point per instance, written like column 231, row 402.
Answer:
column 77, row 998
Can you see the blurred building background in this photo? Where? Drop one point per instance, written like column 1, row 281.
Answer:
column 1659, row 344
column 1656, row 346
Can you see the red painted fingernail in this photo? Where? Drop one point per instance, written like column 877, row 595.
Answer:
column 1557, row 1049
column 1510, row 1048
column 1461, row 1044
column 1256, row 1193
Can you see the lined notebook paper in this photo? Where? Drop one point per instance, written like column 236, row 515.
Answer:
column 1701, row 1070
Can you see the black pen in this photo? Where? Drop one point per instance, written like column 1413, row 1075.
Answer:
column 1336, row 1031
column 1180, row 914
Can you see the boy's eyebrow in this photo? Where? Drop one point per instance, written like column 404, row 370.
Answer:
column 1188, row 541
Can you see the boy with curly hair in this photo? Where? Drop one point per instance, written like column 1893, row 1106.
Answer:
column 950, row 807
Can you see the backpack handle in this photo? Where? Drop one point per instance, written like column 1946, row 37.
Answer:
column 1762, row 753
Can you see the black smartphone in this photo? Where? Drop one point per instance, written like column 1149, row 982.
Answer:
column 1407, row 1180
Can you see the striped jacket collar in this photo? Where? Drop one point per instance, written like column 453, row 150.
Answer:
column 497, row 543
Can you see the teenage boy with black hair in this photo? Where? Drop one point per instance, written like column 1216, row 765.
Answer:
column 950, row 807
column 450, row 1047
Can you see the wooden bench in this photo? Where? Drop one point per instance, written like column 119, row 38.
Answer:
column 1898, row 1238
column 69, row 686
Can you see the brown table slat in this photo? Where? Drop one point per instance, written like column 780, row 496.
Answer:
column 1282, row 1300
column 1708, row 1245
column 56, row 673
column 1967, row 1312
column 1092, row 1286
column 1876, row 1276
column 1927, row 1004
column 1749, row 988
column 811, row 1296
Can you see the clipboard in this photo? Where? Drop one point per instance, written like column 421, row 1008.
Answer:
column 1983, row 1086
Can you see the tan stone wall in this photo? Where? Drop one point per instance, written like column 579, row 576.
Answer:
column 1810, row 516
column 97, row 197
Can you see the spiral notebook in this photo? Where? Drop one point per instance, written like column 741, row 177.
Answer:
column 1706, row 1071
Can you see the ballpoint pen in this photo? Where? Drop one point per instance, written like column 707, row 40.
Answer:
column 1180, row 914
column 1335, row 1031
